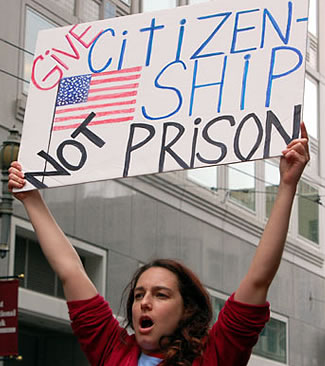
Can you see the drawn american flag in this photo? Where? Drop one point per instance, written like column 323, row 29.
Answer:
column 110, row 95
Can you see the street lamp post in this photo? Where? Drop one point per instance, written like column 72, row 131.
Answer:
column 8, row 153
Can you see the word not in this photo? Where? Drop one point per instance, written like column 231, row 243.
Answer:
column 166, row 147
column 66, row 166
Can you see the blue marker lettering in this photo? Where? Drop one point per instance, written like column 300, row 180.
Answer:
column 180, row 39
column 244, row 82
column 197, row 53
column 237, row 30
column 284, row 38
column 153, row 27
column 159, row 86
column 90, row 64
column 121, row 59
column 197, row 86
column 273, row 76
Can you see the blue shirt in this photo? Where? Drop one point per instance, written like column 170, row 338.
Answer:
column 146, row 360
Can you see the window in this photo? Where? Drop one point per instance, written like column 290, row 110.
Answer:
column 310, row 115
column 206, row 177
column 34, row 23
column 109, row 10
column 272, row 342
column 89, row 10
column 127, row 2
column 217, row 305
column 241, row 180
column 39, row 276
column 312, row 21
column 272, row 179
column 67, row 5
column 308, row 213
column 150, row 5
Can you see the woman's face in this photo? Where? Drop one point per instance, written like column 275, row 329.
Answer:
column 157, row 308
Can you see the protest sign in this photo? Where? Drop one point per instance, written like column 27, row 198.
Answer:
column 9, row 317
column 206, row 84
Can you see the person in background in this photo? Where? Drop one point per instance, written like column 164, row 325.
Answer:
column 167, row 306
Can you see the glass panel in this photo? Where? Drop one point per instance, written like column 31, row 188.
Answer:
column 313, row 13
column 67, row 5
column 20, row 259
column 34, row 23
column 90, row 10
column 217, row 305
column 310, row 115
column 242, row 183
column 109, row 10
column 272, row 342
column 150, row 5
column 40, row 275
column 207, row 177
column 272, row 179
column 308, row 212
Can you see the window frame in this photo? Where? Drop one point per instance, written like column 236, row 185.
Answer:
column 48, row 306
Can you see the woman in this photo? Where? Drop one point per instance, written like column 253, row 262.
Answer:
column 167, row 306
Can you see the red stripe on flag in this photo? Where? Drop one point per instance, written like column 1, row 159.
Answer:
column 99, row 114
column 111, row 96
column 95, row 106
column 114, row 72
column 111, row 80
column 111, row 120
column 127, row 86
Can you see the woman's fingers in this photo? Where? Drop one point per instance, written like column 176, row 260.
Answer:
column 16, row 176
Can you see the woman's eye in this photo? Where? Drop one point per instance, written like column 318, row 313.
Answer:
column 138, row 296
column 162, row 295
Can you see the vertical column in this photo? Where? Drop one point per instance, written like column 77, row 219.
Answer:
column 182, row 2
column 321, row 58
column 135, row 6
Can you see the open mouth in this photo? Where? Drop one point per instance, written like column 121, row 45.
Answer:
column 146, row 322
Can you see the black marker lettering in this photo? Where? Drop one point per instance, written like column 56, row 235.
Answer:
column 89, row 134
column 205, row 135
column 258, row 139
column 59, row 170
column 130, row 148
column 63, row 160
column 167, row 148
column 272, row 120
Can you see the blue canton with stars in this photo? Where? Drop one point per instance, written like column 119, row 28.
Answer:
column 73, row 90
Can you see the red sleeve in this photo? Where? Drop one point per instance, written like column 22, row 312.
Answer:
column 237, row 331
column 96, row 328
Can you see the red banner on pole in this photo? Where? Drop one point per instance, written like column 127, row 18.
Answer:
column 9, row 318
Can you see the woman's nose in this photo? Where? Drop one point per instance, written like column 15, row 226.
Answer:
column 146, row 302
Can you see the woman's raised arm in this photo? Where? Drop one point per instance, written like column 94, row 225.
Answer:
column 57, row 249
column 254, row 287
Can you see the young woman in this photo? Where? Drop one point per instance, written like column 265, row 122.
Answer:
column 167, row 306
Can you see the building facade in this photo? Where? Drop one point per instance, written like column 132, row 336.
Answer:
column 211, row 219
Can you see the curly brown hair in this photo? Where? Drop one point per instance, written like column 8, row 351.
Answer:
column 189, row 339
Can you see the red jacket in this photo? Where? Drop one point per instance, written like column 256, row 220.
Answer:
column 230, row 340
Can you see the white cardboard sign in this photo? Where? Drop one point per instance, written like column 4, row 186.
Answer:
column 207, row 84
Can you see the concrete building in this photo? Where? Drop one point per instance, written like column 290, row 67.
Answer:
column 211, row 218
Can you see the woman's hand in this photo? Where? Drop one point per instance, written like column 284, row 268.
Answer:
column 294, row 159
column 16, row 180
